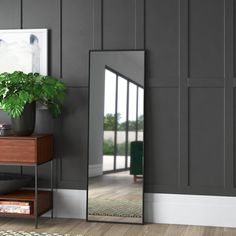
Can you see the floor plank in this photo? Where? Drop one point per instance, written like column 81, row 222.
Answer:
column 82, row 228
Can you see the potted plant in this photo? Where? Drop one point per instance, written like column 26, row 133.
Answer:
column 19, row 93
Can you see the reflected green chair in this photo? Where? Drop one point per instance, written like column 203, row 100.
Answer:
column 136, row 159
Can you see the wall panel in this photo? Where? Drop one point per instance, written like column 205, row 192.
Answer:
column 162, row 132
column 73, row 140
column 10, row 14
column 206, row 137
column 233, row 33
column 206, row 38
column 77, row 40
column 162, row 42
column 118, row 24
column 233, row 163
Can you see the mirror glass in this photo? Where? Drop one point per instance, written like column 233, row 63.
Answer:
column 116, row 126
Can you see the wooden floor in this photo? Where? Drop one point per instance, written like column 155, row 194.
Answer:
column 115, row 186
column 82, row 228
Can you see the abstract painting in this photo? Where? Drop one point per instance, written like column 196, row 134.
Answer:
column 24, row 50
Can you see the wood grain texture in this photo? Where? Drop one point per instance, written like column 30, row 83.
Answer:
column 82, row 228
column 44, row 148
column 25, row 195
column 13, row 150
column 26, row 150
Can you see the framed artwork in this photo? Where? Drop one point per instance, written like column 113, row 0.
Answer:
column 24, row 50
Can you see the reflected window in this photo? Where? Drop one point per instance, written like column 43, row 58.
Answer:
column 109, row 121
column 132, row 121
column 121, row 123
column 140, row 113
column 123, row 120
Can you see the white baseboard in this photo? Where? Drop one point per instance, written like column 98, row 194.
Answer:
column 95, row 170
column 160, row 208
column 69, row 203
column 190, row 209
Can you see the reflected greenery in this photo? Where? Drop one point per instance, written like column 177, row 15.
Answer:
column 109, row 123
column 108, row 148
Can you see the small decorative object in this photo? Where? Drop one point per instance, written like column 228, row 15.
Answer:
column 16, row 207
column 20, row 91
column 5, row 129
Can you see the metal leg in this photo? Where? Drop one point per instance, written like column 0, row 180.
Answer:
column 52, row 182
column 36, row 196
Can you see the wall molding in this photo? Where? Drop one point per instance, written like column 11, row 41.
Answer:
column 202, row 210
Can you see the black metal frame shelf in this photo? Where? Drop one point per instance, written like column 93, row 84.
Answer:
column 36, row 215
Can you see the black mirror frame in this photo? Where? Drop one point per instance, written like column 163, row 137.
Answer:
column 144, row 134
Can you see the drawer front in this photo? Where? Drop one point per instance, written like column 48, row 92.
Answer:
column 21, row 151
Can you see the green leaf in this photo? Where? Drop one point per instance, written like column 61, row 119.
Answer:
column 54, row 109
column 18, row 88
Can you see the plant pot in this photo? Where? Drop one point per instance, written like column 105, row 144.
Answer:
column 25, row 124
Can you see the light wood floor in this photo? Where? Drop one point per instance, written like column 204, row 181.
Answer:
column 82, row 228
column 115, row 186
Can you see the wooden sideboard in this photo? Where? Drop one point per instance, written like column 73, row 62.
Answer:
column 32, row 151
column 35, row 149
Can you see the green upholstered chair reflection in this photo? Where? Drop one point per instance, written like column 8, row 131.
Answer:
column 136, row 159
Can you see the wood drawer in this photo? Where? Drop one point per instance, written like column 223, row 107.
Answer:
column 26, row 150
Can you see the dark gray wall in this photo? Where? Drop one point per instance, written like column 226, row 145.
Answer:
column 190, row 94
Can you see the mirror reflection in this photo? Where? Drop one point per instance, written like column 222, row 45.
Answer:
column 115, row 184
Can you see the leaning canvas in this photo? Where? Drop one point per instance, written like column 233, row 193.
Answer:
column 24, row 50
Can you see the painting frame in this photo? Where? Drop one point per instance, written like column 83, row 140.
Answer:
column 13, row 37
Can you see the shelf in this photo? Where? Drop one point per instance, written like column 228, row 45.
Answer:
column 25, row 195
column 44, row 201
column 14, row 215
column 31, row 150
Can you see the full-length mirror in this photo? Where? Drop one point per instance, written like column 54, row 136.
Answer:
column 116, row 140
